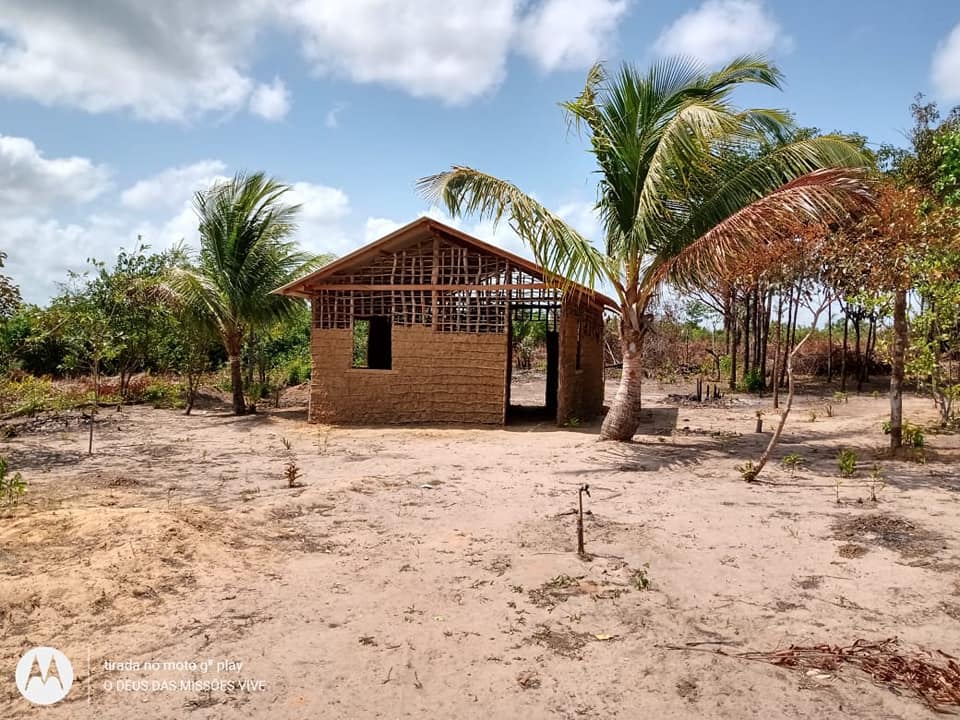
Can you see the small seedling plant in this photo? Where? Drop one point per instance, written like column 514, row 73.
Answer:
column 12, row 486
column 791, row 462
column 847, row 463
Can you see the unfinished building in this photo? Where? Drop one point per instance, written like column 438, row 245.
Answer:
column 417, row 328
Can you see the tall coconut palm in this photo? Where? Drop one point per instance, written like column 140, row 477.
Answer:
column 670, row 201
column 244, row 254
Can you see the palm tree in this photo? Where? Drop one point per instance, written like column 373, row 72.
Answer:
column 671, row 203
column 244, row 255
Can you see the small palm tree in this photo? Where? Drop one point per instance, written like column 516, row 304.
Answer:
column 683, row 184
column 244, row 255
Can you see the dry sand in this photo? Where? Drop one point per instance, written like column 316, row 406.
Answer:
column 430, row 572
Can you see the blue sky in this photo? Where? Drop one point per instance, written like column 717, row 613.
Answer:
column 113, row 113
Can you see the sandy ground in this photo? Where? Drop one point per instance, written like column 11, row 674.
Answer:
column 430, row 572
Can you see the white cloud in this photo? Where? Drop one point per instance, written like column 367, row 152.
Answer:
column 945, row 71
column 173, row 186
column 375, row 228
column 164, row 61
column 178, row 60
column 157, row 210
column 271, row 102
column 30, row 180
column 582, row 217
column 720, row 30
column 562, row 34
column 318, row 203
column 332, row 119
column 454, row 50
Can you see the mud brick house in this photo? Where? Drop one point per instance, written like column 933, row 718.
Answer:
column 416, row 327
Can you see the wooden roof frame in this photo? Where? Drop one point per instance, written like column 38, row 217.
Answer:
column 301, row 286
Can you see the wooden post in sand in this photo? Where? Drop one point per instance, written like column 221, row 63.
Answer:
column 583, row 489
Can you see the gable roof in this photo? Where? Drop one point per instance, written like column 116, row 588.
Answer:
column 400, row 237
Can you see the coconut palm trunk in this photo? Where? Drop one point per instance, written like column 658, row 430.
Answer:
column 623, row 418
column 234, row 347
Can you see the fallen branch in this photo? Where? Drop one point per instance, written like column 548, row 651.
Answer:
column 936, row 685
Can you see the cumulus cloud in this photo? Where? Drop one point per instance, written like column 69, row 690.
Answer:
column 450, row 49
column 720, row 30
column 156, row 210
column 173, row 186
column 376, row 227
column 945, row 72
column 565, row 34
column 163, row 61
column 28, row 179
column 271, row 102
column 178, row 60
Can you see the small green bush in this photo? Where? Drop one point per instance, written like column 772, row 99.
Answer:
column 912, row 434
column 753, row 381
column 847, row 462
column 11, row 486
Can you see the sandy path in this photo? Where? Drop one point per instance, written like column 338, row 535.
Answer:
column 364, row 594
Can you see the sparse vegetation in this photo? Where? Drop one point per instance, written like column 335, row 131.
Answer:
column 847, row 463
column 12, row 485
column 792, row 461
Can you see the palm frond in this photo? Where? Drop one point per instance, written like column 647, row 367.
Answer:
column 556, row 246
column 823, row 196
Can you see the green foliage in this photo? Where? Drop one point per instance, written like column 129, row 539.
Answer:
column 935, row 328
column 747, row 471
column 528, row 336
column 9, row 293
column 244, row 255
column 912, row 434
column 640, row 580
column 162, row 392
column 947, row 183
column 27, row 395
column 792, row 462
column 753, row 381
column 361, row 340
column 847, row 462
column 12, row 486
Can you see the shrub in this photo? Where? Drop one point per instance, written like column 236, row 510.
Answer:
column 296, row 371
column 912, row 434
column 792, row 462
column 753, row 381
column 163, row 393
column 847, row 462
column 11, row 486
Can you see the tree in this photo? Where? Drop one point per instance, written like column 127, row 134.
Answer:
column 244, row 255
column 81, row 317
column 674, row 201
column 9, row 293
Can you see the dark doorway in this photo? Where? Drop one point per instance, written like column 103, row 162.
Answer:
column 533, row 371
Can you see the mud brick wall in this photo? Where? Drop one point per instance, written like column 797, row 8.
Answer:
column 436, row 377
column 581, row 391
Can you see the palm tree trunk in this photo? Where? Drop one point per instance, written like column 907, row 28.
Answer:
column 234, row 347
column 236, row 384
column 896, row 374
column 623, row 418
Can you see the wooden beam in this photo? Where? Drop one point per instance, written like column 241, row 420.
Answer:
column 431, row 286
column 435, row 280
